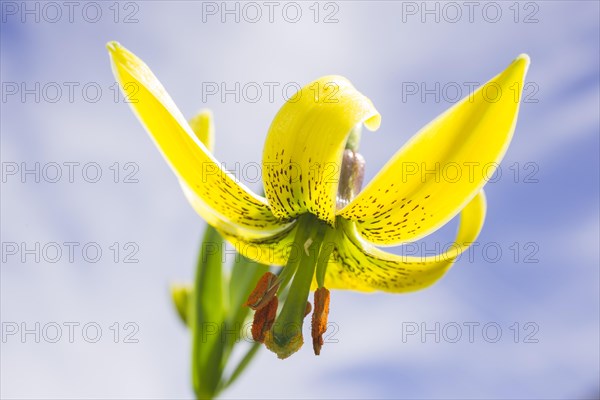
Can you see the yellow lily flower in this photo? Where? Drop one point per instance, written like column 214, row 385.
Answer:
column 314, row 219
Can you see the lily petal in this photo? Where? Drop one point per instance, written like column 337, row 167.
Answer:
column 204, row 128
column 303, row 150
column 226, row 226
column 357, row 265
column 271, row 250
column 222, row 198
column 443, row 166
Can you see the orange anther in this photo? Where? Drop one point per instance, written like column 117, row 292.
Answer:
column 319, row 318
column 263, row 320
column 263, row 292
column 308, row 308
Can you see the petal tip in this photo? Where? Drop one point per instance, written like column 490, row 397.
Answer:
column 113, row 46
column 523, row 57
column 205, row 113
column 373, row 122
column 118, row 54
column 522, row 62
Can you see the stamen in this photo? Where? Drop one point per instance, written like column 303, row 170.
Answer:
column 319, row 318
column 326, row 250
column 263, row 320
column 285, row 337
column 265, row 290
column 307, row 246
column 308, row 308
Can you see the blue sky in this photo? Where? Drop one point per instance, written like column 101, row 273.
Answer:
column 381, row 47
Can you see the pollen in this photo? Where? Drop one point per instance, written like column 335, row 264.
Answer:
column 263, row 293
column 319, row 318
column 308, row 308
column 263, row 320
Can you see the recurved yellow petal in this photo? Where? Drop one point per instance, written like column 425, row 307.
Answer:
column 357, row 265
column 269, row 250
column 222, row 198
column 303, row 150
column 225, row 225
column 443, row 166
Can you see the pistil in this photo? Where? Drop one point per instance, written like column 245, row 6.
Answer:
column 308, row 259
column 285, row 337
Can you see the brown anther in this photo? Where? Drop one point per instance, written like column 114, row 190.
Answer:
column 319, row 318
column 263, row 320
column 265, row 290
column 308, row 308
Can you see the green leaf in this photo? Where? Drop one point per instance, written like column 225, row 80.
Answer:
column 242, row 365
column 216, row 314
column 207, row 319
column 244, row 277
